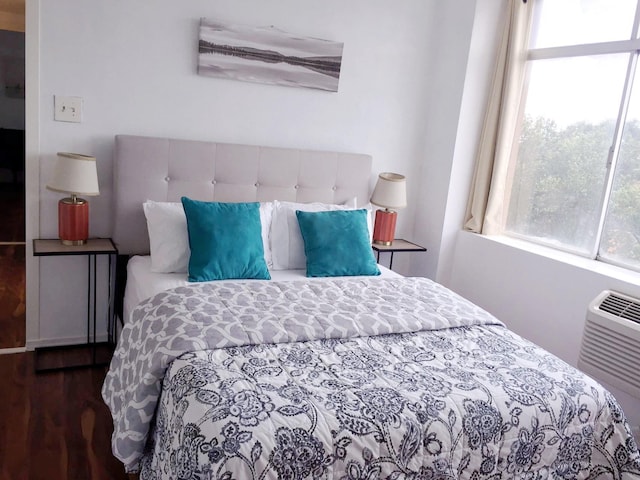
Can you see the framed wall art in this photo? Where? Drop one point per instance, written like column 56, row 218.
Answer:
column 267, row 55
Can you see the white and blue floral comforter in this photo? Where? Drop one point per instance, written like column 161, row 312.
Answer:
column 351, row 379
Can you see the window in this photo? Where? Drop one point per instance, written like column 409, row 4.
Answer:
column 574, row 178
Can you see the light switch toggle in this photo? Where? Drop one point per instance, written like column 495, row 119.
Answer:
column 67, row 109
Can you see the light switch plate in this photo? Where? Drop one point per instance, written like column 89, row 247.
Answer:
column 67, row 109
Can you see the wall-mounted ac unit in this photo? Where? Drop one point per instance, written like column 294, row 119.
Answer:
column 610, row 349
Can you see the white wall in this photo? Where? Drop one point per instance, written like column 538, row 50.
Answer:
column 451, row 38
column 134, row 64
column 465, row 59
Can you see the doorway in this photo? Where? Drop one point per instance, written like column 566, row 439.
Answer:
column 12, row 189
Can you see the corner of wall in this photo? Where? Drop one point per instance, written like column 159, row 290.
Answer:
column 475, row 91
column 32, row 168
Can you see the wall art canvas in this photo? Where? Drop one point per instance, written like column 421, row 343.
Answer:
column 268, row 55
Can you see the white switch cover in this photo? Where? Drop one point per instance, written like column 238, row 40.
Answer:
column 67, row 109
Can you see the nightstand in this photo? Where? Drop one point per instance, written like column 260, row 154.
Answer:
column 398, row 245
column 84, row 355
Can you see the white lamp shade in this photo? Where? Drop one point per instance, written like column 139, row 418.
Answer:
column 75, row 174
column 390, row 191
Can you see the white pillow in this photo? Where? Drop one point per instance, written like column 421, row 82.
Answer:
column 169, row 239
column 266, row 213
column 287, row 245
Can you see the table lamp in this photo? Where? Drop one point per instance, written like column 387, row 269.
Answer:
column 74, row 174
column 390, row 193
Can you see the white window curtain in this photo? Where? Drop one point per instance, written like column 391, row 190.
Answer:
column 485, row 206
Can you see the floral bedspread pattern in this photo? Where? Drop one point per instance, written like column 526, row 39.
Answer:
column 399, row 379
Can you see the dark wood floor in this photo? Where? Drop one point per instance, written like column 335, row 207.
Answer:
column 54, row 425
column 12, row 296
column 13, row 209
column 12, row 266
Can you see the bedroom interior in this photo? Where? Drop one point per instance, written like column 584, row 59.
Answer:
column 420, row 115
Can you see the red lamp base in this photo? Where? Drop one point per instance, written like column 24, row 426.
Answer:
column 73, row 221
column 385, row 227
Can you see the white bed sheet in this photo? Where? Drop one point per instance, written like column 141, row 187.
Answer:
column 142, row 283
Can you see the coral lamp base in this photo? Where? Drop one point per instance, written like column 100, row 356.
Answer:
column 73, row 221
column 385, row 227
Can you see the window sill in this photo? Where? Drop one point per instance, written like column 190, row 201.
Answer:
column 594, row 266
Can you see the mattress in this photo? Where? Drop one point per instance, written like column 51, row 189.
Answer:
column 354, row 378
column 142, row 283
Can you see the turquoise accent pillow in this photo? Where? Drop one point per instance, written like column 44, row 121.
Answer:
column 225, row 241
column 337, row 243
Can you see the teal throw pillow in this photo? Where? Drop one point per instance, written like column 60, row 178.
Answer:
column 225, row 241
column 336, row 243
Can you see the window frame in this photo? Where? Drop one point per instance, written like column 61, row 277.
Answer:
column 631, row 47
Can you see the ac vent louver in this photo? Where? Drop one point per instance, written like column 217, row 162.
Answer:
column 621, row 307
column 610, row 349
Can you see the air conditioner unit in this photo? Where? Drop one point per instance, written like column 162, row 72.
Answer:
column 610, row 349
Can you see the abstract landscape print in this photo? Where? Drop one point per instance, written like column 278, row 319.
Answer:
column 268, row 55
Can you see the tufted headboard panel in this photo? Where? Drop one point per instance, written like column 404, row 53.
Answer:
column 163, row 169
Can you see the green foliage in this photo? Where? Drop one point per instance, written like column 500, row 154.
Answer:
column 559, row 182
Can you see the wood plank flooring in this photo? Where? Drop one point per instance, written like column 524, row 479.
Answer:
column 12, row 265
column 13, row 222
column 54, row 425
column 12, row 296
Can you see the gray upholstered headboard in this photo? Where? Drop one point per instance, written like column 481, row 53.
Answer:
column 162, row 169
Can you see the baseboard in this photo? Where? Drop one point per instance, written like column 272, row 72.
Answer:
column 59, row 342
column 8, row 351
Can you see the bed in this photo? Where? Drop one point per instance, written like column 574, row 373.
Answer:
column 356, row 376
